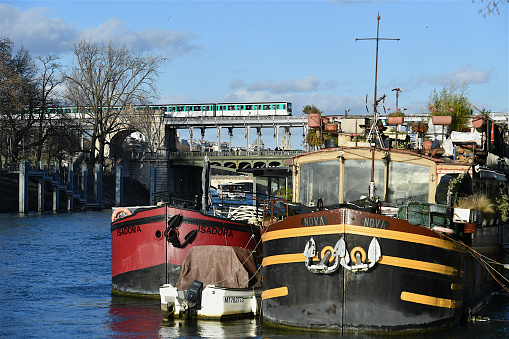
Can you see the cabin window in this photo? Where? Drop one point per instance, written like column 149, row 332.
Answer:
column 407, row 182
column 319, row 180
column 358, row 177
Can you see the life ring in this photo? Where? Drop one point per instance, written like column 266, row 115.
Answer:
column 120, row 212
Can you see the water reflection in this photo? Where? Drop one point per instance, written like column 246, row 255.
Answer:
column 137, row 317
column 242, row 328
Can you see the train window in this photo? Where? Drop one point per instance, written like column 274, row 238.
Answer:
column 180, row 108
column 206, row 108
column 231, row 107
column 249, row 106
column 240, row 107
column 284, row 106
column 188, row 108
column 197, row 108
column 289, row 107
column 266, row 106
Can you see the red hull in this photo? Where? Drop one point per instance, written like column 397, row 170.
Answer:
column 141, row 256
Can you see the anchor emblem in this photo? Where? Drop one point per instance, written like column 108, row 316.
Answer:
column 339, row 255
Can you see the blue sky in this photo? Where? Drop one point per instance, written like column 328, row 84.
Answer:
column 304, row 52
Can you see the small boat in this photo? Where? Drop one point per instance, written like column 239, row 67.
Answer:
column 229, row 277
column 214, row 302
column 234, row 191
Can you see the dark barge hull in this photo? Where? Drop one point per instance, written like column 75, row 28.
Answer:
column 417, row 284
column 142, row 257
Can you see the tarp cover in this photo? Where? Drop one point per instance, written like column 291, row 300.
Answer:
column 225, row 266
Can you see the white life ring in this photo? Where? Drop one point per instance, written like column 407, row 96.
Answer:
column 120, row 212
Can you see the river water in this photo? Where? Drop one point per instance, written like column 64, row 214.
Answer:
column 55, row 282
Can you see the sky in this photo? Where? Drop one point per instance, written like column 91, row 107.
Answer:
column 303, row 52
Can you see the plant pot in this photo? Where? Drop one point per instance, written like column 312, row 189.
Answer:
column 314, row 119
column 441, row 119
column 331, row 127
column 419, row 127
column 469, row 228
column 329, row 143
column 325, row 120
column 427, row 144
column 478, row 122
column 395, row 120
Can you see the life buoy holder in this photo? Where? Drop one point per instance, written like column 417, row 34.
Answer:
column 120, row 212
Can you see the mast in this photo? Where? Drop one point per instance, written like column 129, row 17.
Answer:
column 374, row 126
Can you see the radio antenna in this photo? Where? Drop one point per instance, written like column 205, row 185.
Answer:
column 374, row 126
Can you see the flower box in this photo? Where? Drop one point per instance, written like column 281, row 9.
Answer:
column 395, row 120
column 331, row 127
column 441, row 119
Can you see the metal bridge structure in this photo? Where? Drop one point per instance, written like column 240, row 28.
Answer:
column 277, row 123
column 234, row 160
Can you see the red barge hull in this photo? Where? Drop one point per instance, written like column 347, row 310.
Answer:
column 149, row 245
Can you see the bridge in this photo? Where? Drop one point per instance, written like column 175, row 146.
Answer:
column 275, row 122
column 233, row 160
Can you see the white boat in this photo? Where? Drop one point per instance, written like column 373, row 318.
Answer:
column 229, row 276
column 214, row 302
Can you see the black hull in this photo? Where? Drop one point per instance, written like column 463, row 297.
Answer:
column 416, row 285
column 145, row 282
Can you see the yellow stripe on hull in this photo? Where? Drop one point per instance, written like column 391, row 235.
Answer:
column 418, row 265
column 384, row 260
column 431, row 301
column 360, row 230
column 275, row 292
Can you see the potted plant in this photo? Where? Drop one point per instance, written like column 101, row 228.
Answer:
column 396, row 118
column 439, row 117
column 420, row 127
column 480, row 120
column 450, row 107
column 314, row 115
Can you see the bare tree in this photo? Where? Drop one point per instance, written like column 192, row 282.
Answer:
column 103, row 78
column 49, row 122
column 490, row 6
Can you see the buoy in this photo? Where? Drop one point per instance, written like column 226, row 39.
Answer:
column 120, row 213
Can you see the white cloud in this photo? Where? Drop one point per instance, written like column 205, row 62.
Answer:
column 116, row 30
column 41, row 34
column 457, row 76
column 34, row 30
column 307, row 84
